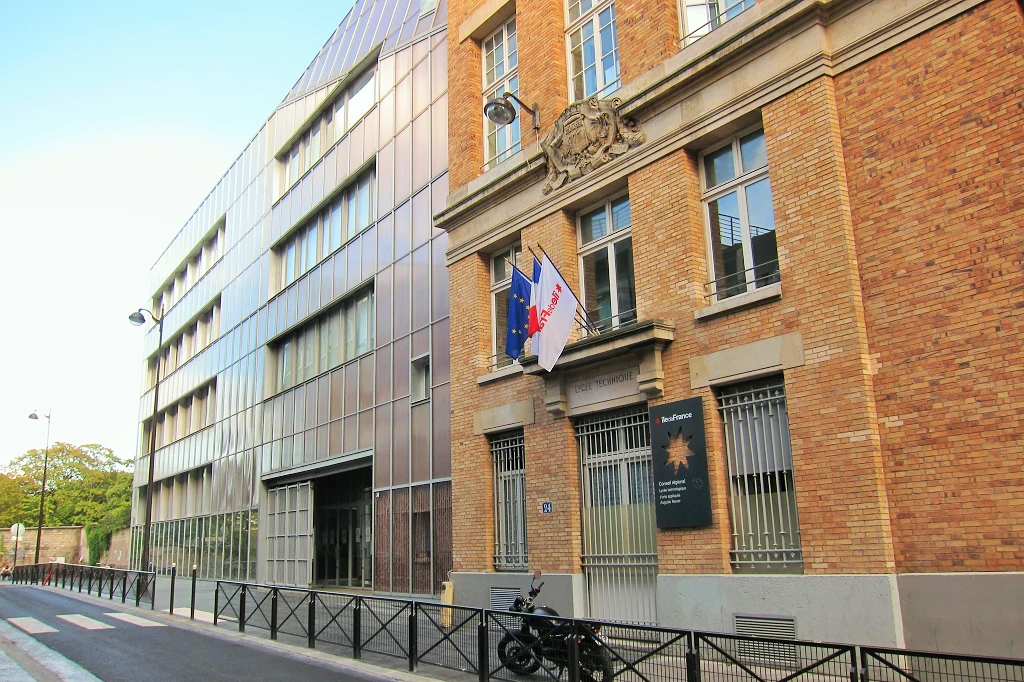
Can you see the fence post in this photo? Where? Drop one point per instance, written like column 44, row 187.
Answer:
column 311, row 624
column 64, row 578
column 692, row 659
column 88, row 591
column 574, row 653
column 241, row 610
column 273, row 613
column 152, row 596
column 138, row 589
column 192, row 610
column 863, row 666
column 113, row 575
column 484, row 664
column 357, row 628
column 216, row 603
column 174, row 575
column 124, row 586
column 412, row 638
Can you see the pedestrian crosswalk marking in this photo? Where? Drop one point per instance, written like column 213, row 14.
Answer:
column 135, row 620
column 31, row 625
column 85, row 622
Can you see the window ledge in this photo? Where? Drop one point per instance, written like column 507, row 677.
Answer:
column 497, row 374
column 747, row 300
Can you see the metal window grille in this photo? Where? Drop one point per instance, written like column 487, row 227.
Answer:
column 620, row 557
column 509, row 501
column 762, row 501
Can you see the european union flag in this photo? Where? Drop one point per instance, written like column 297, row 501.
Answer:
column 518, row 314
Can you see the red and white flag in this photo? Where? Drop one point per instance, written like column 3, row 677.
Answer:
column 556, row 312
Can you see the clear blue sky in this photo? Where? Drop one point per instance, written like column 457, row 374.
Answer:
column 117, row 119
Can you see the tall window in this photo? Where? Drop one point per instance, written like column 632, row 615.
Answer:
column 762, row 499
column 593, row 49
column 501, row 75
column 501, row 280
column 606, row 264
column 700, row 17
column 341, row 335
column 324, row 233
column 329, row 127
column 509, row 501
column 738, row 212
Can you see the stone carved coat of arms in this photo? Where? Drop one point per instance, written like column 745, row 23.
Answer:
column 586, row 136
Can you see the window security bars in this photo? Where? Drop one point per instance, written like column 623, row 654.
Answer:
column 509, row 501
column 762, row 498
column 620, row 555
column 701, row 17
column 110, row 583
column 467, row 639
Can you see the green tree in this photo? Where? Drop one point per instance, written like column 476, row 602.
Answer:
column 12, row 501
column 86, row 485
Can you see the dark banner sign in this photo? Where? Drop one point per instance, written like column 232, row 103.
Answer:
column 682, row 491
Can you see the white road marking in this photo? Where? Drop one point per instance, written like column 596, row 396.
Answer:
column 135, row 620
column 63, row 668
column 85, row 622
column 31, row 625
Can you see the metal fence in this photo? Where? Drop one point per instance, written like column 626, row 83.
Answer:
column 131, row 586
column 469, row 640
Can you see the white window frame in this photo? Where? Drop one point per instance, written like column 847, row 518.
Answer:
column 506, row 81
column 593, row 16
column 606, row 243
column 713, row 13
column 501, row 288
column 739, row 183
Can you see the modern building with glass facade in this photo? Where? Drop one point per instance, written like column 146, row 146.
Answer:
column 302, row 435
column 792, row 405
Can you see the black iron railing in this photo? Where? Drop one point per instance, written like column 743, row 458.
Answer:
column 469, row 639
column 131, row 586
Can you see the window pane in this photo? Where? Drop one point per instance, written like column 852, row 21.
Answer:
column 361, row 99
column 718, row 167
column 752, row 151
column 501, row 327
column 594, row 225
column 762, row 232
column 625, row 288
column 727, row 246
column 620, row 214
column 597, row 288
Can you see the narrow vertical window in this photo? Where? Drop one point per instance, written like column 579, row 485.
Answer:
column 593, row 49
column 762, row 499
column 737, row 202
column 606, row 265
column 501, row 280
column 501, row 75
column 508, row 453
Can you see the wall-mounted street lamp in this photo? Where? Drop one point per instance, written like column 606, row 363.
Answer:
column 42, row 493
column 500, row 111
column 138, row 318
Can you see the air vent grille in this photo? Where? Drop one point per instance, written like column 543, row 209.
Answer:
column 772, row 654
column 501, row 600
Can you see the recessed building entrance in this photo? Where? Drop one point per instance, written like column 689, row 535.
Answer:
column 342, row 530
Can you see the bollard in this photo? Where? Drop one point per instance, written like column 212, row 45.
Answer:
column 192, row 610
column 412, row 639
column 174, row 575
column 357, row 628
column 273, row 613
column 311, row 626
column 484, row 664
column 241, row 610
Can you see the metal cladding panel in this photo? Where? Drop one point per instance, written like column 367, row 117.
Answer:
column 368, row 23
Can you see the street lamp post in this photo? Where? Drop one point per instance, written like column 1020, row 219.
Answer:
column 138, row 318
column 42, row 493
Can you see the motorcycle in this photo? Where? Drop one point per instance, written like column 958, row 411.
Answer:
column 540, row 638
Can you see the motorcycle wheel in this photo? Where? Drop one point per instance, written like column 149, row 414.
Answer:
column 596, row 666
column 516, row 653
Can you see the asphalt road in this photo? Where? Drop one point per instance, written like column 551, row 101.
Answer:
column 132, row 650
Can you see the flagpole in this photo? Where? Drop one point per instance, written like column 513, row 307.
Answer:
column 590, row 326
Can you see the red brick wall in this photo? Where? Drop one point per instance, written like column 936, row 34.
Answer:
column 648, row 34
column 933, row 136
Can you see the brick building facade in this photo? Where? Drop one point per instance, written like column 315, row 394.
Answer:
column 807, row 217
